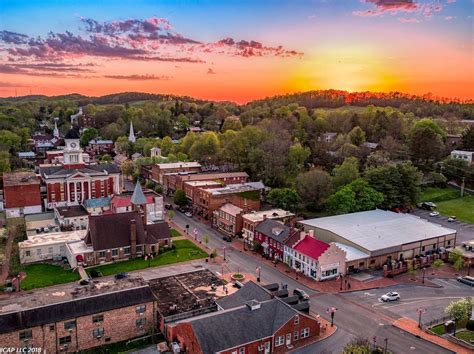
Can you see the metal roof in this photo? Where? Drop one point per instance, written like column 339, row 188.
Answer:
column 138, row 198
column 376, row 230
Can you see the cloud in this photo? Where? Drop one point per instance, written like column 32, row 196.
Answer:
column 449, row 18
column 408, row 20
column 11, row 84
column 137, row 77
column 383, row 6
column 13, row 37
column 56, row 70
column 210, row 71
column 450, row 1
column 251, row 48
column 167, row 59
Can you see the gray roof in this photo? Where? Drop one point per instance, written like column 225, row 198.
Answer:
column 231, row 328
column 377, row 230
column 138, row 198
column 250, row 291
column 61, row 172
column 274, row 229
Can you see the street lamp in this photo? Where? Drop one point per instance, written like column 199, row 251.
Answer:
column 420, row 311
column 224, row 254
column 331, row 311
column 386, row 344
column 340, row 276
column 469, row 267
column 195, row 231
column 258, row 270
column 423, row 279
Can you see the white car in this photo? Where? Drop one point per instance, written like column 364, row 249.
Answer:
column 452, row 219
column 434, row 213
column 391, row 296
column 188, row 214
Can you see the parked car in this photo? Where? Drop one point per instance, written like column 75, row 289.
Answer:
column 301, row 294
column 227, row 238
column 181, row 210
column 466, row 280
column 121, row 275
column 427, row 205
column 188, row 214
column 452, row 219
column 434, row 213
column 391, row 296
column 168, row 206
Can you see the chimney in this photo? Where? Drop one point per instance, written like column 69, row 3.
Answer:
column 133, row 238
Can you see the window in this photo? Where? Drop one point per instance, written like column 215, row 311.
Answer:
column 304, row 333
column 115, row 253
column 50, row 250
column 297, row 319
column 449, row 242
column 141, row 309
column 51, row 327
column 126, row 250
column 97, row 318
column 140, row 322
column 296, row 335
column 242, row 350
column 38, row 252
column 26, row 335
column 70, row 324
column 97, row 332
column 102, row 254
column 28, row 253
column 279, row 341
column 423, row 248
column 65, row 340
column 372, row 261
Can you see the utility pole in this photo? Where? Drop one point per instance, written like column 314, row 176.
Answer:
column 386, row 344
column 462, row 187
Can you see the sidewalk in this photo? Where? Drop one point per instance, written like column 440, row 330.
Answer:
column 411, row 326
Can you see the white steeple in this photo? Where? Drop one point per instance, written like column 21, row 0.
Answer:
column 56, row 130
column 131, row 135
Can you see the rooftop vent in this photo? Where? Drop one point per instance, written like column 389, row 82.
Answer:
column 253, row 305
column 277, row 231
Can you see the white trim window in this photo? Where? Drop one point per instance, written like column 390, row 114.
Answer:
column 280, row 340
column 304, row 333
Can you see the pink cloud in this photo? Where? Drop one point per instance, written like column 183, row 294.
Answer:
column 210, row 71
column 449, row 18
column 394, row 7
column 408, row 20
column 137, row 77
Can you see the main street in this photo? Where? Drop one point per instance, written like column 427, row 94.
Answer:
column 354, row 318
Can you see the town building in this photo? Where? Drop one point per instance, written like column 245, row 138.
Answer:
column 174, row 181
column 78, row 318
column 74, row 181
column 74, row 217
column 43, row 142
column 191, row 188
column 146, row 170
column 40, row 223
column 252, row 219
column 155, row 152
column 384, row 236
column 272, row 235
column 328, row 137
column 97, row 206
column 316, row 259
column 269, row 325
column 99, row 147
column 56, row 157
column 245, row 196
column 159, row 169
column 228, row 219
column 467, row 156
column 21, row 192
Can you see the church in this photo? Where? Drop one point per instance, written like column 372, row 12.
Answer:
column 73, row 180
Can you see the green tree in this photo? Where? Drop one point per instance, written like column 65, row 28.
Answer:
column 426, row 145
column 459, row 310
column 205, row 239
column 297, row 156
column 284, row 198
column 171, row 214
column 232, row 124
column 347, row 172
column 357, row 136
column 354, row 197
column 456, row 257
column 88, row 135
column 467, row 140
column 4, row 161
column 127, row 167
column 106, row 158
column 9, row 140
column 166, row 146
column 314, row 187
column 121, row 145
column 428, row 123
column 205, row 148
column 179, row 198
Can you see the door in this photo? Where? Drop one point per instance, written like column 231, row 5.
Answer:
column 288, row 339
column 267, row 348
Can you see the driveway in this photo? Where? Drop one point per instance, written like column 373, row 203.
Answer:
column 465, row 231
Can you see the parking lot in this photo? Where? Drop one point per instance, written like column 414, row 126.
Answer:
column 465, row 231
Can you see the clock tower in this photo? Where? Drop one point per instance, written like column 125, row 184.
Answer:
column 72, row 151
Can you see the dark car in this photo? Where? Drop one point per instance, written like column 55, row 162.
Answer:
column 168, row 206
column 121, row 275
column 466, row 280
column 301, row 294
column 427, row 205
column 227, row 238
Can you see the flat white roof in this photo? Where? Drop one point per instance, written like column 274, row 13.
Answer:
column 462, row 152
column 269, row 214
column 52, row 238
column 79, row 247
column 352, row 253
column 203, row 183
column 378, row 229
column 179, row 164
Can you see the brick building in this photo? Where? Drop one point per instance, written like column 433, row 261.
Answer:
column 21, row 193
column 272, row 235
column 79, row 319
column 245, row 196
column 174, row 181
column 160, row 169
column 99, row 147
column 228, row 219
column 73, row 181
column 191, row 188
column 243, row 326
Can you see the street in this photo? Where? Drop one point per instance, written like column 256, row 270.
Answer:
column 356, row 315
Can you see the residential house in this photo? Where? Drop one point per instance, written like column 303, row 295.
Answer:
column 73, row 217
column 21, row 191
column 252, row 219
column 467, row 156
column 272, row 235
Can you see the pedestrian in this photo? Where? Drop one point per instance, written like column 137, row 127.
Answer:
column 349, row 286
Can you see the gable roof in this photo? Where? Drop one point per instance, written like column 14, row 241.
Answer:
column 250, row 291
column 311, row 247
column 230, row 328
column 15, row 321
column 274, row 229
column 61, row 172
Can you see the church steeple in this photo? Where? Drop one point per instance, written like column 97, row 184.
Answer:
column 131, row 135
column 56, row 130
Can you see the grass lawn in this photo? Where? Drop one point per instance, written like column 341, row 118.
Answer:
column 466, row 335
column 450, row 203
column 184, row 250
column 439, row 329
column 175, row 233
column 41, row 275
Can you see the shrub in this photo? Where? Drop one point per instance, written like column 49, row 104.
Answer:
column 438, row 263
column 94, row 273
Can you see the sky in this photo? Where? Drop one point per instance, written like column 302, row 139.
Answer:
column 236, row 50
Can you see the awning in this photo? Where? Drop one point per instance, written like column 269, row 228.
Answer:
column 265, row 245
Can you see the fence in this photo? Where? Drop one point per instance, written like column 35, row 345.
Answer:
column 437, row 321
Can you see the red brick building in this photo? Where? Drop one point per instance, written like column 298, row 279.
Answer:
column 99, row 147
column 228, row 219
column 114, row 312
column 272, row 235
column 159, row 169
column 174, row 181
column 268, row 325
column 21, row 193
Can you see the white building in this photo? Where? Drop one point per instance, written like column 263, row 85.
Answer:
column 155, row 152
column 73, row 217
column 467, row 156
column 251, row 220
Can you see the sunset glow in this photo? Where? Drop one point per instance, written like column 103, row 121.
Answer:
column 236, row 51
